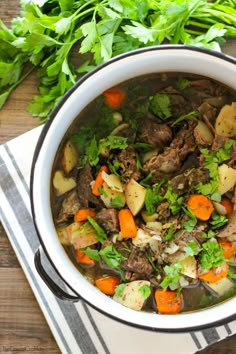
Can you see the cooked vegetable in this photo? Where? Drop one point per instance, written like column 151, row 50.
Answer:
column 168, row 302
column 202, row 134
column 225, row 122
column 69, row 157
column 128, row 228
column 114, row 97
column 112, row 181
column 83, row 258
column 99, row 181
column 220, row 287
column 62, row 184
column 229, row 248
column 189, row 264
column 110, row 197
column 135, row 196
column 81, row 235
column 227, row 176
column 201, row 206
column 131, row 296
column 81, row 214
column 107, row 284
column 227, row 204
column 215, row 274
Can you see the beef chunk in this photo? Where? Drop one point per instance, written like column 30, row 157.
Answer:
column 84, row 188
column 69, row 207
column 170, row 161
column 127, row 158
column 138, row 263
column 108, row 220
column 153, row 133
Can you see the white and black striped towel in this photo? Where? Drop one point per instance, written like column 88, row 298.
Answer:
column 77, row 327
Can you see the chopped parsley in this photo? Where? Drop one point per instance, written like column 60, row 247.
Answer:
column 117, row 202
column 175, row 202
column 192, row 248
column 159, row 105
column 172, row 278
column 218, row 220
column 145, row 291
column 153, row 198
column 211, row 255
column 169, row 235
column 101, row 235
column 119, row 290
column 190, row 224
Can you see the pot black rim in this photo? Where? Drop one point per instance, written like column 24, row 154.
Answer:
column 39, row 144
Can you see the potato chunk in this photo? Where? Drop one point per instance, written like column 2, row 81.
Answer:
column 61, row 183
column 112, row 181
column 190, row 267
column 132, row 296
column 81, row 235
column 69, row 157
column 135, row 196
column 227, row 176
column 110, row 194
column 226, row 121
column 202, row 134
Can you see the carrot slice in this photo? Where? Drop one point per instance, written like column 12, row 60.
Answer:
column 107, row 284
column 215, row 274
column 83, row 258
column 127, row 223
column 81, row 214
column 168, row 302
column 99, row 181
column 114, row 97
column 201, row 206
column 228, row 205
column 229, row 249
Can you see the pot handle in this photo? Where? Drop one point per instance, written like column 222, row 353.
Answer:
column 55, row 289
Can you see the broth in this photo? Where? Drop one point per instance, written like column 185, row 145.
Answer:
column 143, row 193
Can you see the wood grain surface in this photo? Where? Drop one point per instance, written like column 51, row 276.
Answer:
column 23, row 328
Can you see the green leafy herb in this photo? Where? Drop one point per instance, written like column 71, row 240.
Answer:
column 114, row 167
column 92, row 152
column 101, row 235
column 117, row 202
column 211, row 255
column 113, row 142
column 190, row 224
column 209, row 234
column 94, row 254
column 232, row 273
column 182, row 84
column 175, row 202
column 119, row 290
column 112, row 257
column 160, row 105
column 192, row 248
column 172, row 278
column 217, row 220
column 145, row 291
column 169, row 236
column 46, row 31
column 153, row 198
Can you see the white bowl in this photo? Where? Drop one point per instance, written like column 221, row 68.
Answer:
column 158, row 59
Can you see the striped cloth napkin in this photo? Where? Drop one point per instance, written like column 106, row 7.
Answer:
column 77, row 327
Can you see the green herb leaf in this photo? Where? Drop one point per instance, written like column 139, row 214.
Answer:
column 119, row 290
column 169, row 236
column 192, row 248
column 218, row 220
column 94, row 254
column 101, row 235
column 145, row 291
column 160, row 106
column 211, row 255
column 172, row 278
column 112, row 257
column 175, row 202
column 117, row 202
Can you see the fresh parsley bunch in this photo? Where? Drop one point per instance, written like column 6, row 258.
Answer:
column 47, row 32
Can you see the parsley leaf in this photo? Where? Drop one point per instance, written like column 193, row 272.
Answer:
column 145, row 291
column 112, row 257
column 119, row 290
column 192, row 248
column 190, row 224
column 153, row 198
column 117, row 202
column 160, row 106
column 172, row 278
column 101, row 235
column 218, row 220
column 175, row 202
column 169, row 236
column 211, row 255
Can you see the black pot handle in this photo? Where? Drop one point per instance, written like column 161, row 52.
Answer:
column 55, row 289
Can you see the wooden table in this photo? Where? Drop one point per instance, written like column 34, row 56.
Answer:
column 23, row 328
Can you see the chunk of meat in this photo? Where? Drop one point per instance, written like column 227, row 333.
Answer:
column 127, row 158
column 69, row 207
column 153, row 133
column 108, row 220
column 85, row 178
column 138, row 263
column 170, row 161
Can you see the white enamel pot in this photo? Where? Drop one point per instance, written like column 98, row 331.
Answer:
column 141, row 62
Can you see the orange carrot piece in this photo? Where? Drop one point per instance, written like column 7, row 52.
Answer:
column 229, row 249
column 99, row 181
column 215, row 274
column 114, row 97
column 83, row 258
column 107, row 284
column 81, row 214
column 127, row 223
column 168, row 302
column 201, row 206
column 227, row 204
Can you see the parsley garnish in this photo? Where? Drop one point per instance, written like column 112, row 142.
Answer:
column 175, row 202
column 119, row 290
column 169, row 236
column 160, row 105
column 153, row 198
column 211, row 255
column 172, row 276
column 217, row 220
column 101, row 235
column 109, row 255
column 192, row 248
column 117, row 202
column 145, row 291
